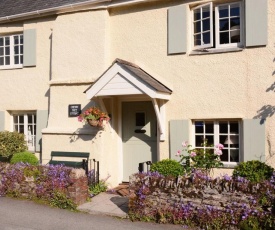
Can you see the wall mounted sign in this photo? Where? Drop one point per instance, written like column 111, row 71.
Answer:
column 74, row 110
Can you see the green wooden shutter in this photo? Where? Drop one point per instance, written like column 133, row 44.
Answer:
column 2, row 121
column 179, row 132
column 254, row 140
column 41, row 123
column 256, row 22
column 29, row 47
column 177, row 27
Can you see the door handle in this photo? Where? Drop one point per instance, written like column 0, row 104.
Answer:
column 140, row 131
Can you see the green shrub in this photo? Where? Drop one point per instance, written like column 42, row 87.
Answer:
column 98, row 188
column 255, row 171
column 25, row 157
column 11, row 143
column 60, row 200
column 167, row 167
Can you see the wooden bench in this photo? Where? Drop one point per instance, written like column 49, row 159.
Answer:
column 75, row 164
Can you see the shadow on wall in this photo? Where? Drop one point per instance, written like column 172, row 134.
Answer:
column 265, row 112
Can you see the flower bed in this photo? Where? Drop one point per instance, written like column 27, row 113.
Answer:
column 47, row 183
column 200, row 201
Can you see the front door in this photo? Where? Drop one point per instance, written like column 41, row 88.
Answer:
column 139, row 135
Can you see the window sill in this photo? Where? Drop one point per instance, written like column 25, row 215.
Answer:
column 215, row 51
column 11, row 67
column 229, row 166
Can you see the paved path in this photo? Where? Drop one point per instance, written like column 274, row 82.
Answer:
column 27, row 215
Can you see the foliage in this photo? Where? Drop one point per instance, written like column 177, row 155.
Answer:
column 254, row 171
column 94, row 113
column 96, row 188
column 60, row 200
column 243, row 214
column 205, row 158
column 48, row 182
column 11, row 143
column 167, row 167
column 25, row 157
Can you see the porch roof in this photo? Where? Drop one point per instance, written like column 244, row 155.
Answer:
column 126, row 78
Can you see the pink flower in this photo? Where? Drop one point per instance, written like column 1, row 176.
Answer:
column 219, row 146
column 193, row 154
column 184, row 144
column 178, row 153
column 218, row 152
column 80, row 118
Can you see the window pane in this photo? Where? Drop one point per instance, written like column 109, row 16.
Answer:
column 197, row 15
column 223, row 126
column 224, row 156
column 206, row 12
column 197, row 27
column 30, row 119
column 199, row 127
column 224, row 24
column 209, row 127
column 16, row 40
column 16, row 50
column 1, row 41
column 21, row 129
column 224, row 38
column 234, row 127
column 197, row 40
column 234, row 10
column 21, row 49
column 140, row 119
column 34, row 129
column 21, row 39
column 16, row 59
column 206, row 38
column 234, row 155
column 199, row 140
column 206, row 24
column 7, row 60
column 235, row 23
column 7, row 50
column 1, row 51
column 223, row 140
column 223, row 11
column 210, row 139
column 1, row 60
column 21, row 119
column 7, row 41
column 21, row 59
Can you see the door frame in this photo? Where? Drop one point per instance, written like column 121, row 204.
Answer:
column 131, row 99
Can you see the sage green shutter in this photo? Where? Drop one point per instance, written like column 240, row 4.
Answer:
column 29, row 46
column 254, row 140
column 179, row 132
column 41, row 123
column 256, row 22
column 2, row 121
column 177, row 29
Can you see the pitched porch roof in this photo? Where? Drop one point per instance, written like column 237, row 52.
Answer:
column 126, row 78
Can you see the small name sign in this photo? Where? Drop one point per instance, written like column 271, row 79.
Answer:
column 74, row 110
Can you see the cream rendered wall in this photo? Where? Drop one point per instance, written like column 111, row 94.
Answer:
column 80, row 50
column 27, row 88
column 227, row 85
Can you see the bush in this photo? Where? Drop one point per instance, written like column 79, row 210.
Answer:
column 167, row 167
column 25, row 157
column 255, row 171
column 11, row 143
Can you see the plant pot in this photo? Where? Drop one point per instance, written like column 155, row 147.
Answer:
column 93, row 122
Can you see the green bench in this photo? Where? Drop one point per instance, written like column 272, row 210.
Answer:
column 75, row 164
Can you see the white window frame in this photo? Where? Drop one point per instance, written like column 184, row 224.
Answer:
column 30, row 138
column 12, row 65
column 211, row 26
column 216, row 138
column 216, row 32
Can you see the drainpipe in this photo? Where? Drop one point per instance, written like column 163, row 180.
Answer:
column 58, row 8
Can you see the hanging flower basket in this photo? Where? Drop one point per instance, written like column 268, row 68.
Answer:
column 94, row 117
column 92, row 122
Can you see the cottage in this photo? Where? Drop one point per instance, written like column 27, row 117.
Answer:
column 164, row 71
